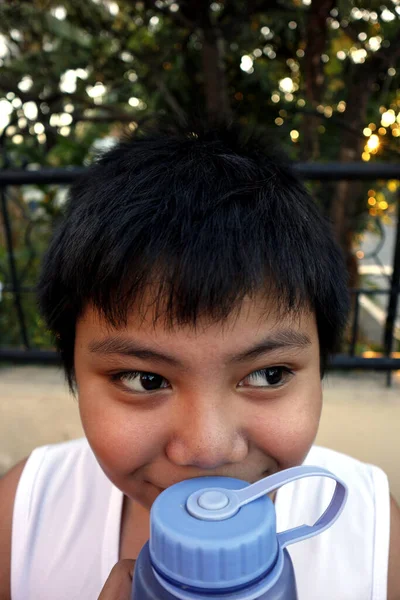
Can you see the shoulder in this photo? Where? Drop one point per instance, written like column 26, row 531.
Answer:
column 37, row 472
column 366, row 478
column 8, row 488
column 372, row 485
column 368, row 499
column 394, row 552
column 326, row 456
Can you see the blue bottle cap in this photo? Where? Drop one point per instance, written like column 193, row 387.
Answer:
column 211, row 554
column 218, row 534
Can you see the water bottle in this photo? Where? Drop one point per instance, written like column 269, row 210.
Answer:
column 214, row 538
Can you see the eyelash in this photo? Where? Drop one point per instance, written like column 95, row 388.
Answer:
column 117, row 378
column 262, row 372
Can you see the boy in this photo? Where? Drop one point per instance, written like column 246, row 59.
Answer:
column 195, row 294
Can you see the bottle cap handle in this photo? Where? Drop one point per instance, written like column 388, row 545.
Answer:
column 216, row 504
column 328, row 517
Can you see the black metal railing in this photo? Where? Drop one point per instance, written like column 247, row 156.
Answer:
column 321, row 172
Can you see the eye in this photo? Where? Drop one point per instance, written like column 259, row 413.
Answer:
column 141, row 381
column 270, row 377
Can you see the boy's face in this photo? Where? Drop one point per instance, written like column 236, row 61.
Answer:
column 242, row 399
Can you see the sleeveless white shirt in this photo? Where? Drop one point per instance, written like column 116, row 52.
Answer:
column 67, row 514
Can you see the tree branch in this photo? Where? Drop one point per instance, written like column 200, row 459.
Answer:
column 114, row 113
column 177, row 16
column 386, row 56
column 9, row 85
column 366, row 73
column 122, row 117
column 232, row 18
column 314, row 76
column 171, row 100
column 351, row 32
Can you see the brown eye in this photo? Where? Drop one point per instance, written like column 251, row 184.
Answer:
column 270, row 377
column 141, row 381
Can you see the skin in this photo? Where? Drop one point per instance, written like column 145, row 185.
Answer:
column 208, row 417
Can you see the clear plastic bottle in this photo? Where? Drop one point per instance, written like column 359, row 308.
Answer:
column 214, row 538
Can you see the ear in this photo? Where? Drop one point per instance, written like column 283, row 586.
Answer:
column 394, row 552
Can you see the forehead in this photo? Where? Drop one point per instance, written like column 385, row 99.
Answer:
column 253, row 319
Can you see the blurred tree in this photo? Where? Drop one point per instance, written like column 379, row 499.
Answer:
column 324, row 73
column 67, row 65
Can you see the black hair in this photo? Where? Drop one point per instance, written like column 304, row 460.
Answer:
column 203, row 216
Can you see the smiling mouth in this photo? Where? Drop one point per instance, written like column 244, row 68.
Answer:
column 263, row 475
column 159, row 490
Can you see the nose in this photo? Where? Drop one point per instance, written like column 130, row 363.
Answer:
column 206, row 436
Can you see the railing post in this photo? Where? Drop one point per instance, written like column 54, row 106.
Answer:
column 394, row 294
column 10, row 253
column 355, row 323
column 13, row 270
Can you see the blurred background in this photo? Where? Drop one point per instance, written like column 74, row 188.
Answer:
column 321, row 75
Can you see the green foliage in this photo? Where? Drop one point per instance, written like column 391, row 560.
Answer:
column 10, row 332
column 33, row 213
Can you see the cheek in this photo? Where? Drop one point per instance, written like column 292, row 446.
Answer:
column 285, row 430
column 123, row 437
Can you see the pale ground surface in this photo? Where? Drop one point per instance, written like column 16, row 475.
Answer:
column 361, row 416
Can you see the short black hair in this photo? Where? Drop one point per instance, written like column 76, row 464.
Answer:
column 206, row 216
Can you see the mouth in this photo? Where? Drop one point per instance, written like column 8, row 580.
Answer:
column 253, row 480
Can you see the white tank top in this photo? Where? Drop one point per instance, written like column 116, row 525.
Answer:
column 67, row 514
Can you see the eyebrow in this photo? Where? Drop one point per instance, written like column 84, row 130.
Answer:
column 284, row 339
column 281, row 340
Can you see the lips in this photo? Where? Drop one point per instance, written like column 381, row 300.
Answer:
column 159, row 489
column 251, row 481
